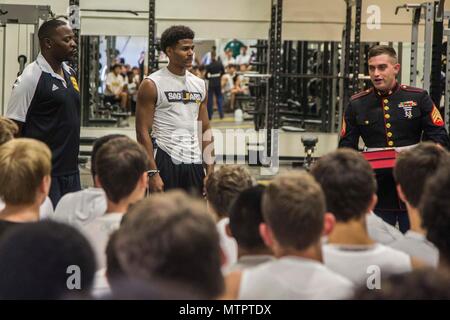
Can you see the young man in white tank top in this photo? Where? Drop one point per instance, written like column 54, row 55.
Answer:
column 349, row 184
column 172, row 103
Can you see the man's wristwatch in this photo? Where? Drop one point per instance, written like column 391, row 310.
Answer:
column 151, row 173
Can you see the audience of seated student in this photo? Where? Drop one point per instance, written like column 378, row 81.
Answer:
column 227, row 84
column 132, row 87
column 228, row 58
column 423, row 284
column 349, row 184
column 25, row 167
column 435, row 211
column 245, row 219
column 121, row 170
column 45, row 260
column 171, row 238
column 81, row 207
column 115, row 87
column 426, row 159
column 222, row 188
column 243, row 58
column 294, row 220
column 9, row 130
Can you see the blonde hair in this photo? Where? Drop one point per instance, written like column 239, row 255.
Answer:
column 8, row 129
column 224, row 185
column 23, row 165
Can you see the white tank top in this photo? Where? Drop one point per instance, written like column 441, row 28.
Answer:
column 175, row 125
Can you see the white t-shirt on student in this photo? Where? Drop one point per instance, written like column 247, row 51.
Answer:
column 293, row 278
column 381, row 231
column 81, row 207
column 417, row 246
column 354, row 262
column 115, row 83
column 228, row 244
column 45, row 210
column 98, row 232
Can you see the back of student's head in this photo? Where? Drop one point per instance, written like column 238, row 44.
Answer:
column 245, row 218
column 171, row 237
column 421, row 284
column 96, row 146
column 348, row 182
column 413, row 167
column 224, row 185
column 294, row 206
column 45, row 260
column 435, row 210
column 120, row 163
column 24, row 163
column 8, row 130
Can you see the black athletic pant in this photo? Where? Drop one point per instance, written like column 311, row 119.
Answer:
column 186, row 176
column 62, row 185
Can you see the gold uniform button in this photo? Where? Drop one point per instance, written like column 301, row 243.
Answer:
column 388, row 125
column 387, row 116
column 389, row 134
column 386, row 108
column 385, row 100
column 390, row 143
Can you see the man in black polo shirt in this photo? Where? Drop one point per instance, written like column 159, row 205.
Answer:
column 45, row 103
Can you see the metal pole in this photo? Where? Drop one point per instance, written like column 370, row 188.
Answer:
column 3, row 68
column 436, row 64
column 271, row 87
column 74, row 22
column 429, row 17
column 346, row 54
column 400, row 59
column 357, row 46
column 334, row 60
column 414, row 44
column 152, row 60
column 447, row 82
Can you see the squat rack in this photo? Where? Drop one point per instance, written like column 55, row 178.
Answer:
column 275, row 76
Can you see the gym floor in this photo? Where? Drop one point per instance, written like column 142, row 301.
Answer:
column 230, row 142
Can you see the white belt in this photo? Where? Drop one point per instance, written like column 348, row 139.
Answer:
column 397, row 149
column 214, row 75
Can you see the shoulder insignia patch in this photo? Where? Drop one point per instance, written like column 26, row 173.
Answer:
column 436, row 117
column 361, row 94
column 411, row 89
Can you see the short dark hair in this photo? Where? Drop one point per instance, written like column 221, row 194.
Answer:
column 47, row 29
column 224, row 185
column 348, row 181
column 245, row 217
column 97, row 144
column 116, row 65
column 120, row 163
column 294, row 206
column 413, row 167
column 171, row 237
column 36, row 258
column 172, row 35
column 378, row 50
column 435, row 210
column 421, row 284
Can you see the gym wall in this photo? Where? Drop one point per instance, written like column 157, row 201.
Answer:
column 319, row 20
